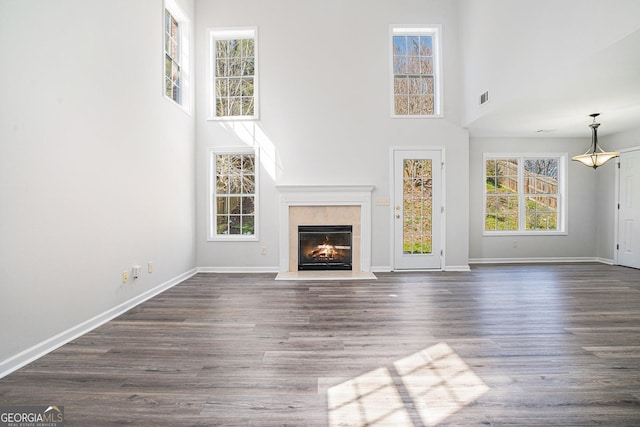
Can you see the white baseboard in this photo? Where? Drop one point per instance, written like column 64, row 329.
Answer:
column 533, row 260
column 238, row 269
column 387, row 269
column 29, row 355
column 457, row 268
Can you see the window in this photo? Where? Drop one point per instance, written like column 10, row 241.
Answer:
column 234, row 183
column 524, row 194
column 176, row 55
column 233, row 73
column 416, row 72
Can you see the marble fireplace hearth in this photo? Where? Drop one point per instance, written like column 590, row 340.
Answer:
column 325, row 205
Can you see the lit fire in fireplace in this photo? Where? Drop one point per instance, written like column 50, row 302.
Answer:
column 326, row 251
column 324, row 247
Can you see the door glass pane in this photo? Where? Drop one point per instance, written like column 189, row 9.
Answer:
column 417, row 206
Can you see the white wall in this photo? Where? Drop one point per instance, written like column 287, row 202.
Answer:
column 580, row 241
column 96, row 166
column 325, row 115
column 547, row 43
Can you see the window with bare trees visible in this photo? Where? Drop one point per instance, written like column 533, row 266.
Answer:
column 524, row 194
column 172, row 59
column 176, row 55
column 234, row 73
column 416, row 75
column 233, row 195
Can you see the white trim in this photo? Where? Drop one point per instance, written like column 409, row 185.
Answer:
column 27, row 356
column 563, row 198
column 535, row 260
column 184, row 43
column 435, row 30
column 326, row 195
column 381, row 269
column 443, row 200
column 457, row 268
column 221, row 33
column 211, row 236
column 250, row 270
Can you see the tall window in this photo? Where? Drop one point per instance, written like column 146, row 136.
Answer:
column 234, row 182
column 176, row 54
column 172, row 57
column 234, row 73
column 524, row 194
column 416, row 71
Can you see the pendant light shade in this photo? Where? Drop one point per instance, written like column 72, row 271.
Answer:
column 595, row 156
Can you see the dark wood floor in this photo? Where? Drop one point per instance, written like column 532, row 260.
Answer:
column 517, row 345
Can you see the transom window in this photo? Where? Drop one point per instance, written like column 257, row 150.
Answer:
column 234, row 73
column 234, row 184
column 524, row 194
column 415, row 71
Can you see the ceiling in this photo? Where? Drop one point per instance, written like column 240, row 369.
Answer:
column 607, row 82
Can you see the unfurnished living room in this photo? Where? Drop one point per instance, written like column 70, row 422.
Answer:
column 319, row 213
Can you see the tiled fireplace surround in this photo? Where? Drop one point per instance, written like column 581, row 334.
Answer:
column 325, row 205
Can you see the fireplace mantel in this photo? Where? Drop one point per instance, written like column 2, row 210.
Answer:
column 324, row 196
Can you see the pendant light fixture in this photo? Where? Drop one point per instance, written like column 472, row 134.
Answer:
column 595, row 156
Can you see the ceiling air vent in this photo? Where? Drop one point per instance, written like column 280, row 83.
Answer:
column 484, row 98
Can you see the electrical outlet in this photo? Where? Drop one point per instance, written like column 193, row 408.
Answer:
column 149, row 267
column 125, row 276
column 263, row 250
column 515, row 244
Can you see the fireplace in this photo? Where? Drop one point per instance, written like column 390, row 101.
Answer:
column 324, row 247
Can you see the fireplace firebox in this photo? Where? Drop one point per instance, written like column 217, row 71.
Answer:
column 324, row 247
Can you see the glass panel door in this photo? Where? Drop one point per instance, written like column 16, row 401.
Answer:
column 417, row 209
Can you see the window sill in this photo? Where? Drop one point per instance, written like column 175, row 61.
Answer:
column 431, row 116
column 523, row 233
column 234, row 238
column 234, row 119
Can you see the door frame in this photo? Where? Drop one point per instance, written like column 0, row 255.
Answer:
column 443, row 218
column 616, row 215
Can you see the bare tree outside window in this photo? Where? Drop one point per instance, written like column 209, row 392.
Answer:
column 235, row 194
column 414, row 79
column 172, row 72
column 234, row 77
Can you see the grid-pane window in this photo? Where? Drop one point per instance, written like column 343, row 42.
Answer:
column 172, row 72
column 523, row 194
column 176, row 84
column 234, row 195
column 541, row 194
column 234, row 73
column 415, row 72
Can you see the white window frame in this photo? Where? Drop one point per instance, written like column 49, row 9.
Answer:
column 184, row 47
column 212, row 235
column 435, row 31
column 231, row 33
column 562, row 194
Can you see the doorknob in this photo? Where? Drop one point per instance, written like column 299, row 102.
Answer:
column 397, row 215
column 397, row 207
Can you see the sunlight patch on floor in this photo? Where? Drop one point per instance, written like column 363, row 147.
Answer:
column 431, row 385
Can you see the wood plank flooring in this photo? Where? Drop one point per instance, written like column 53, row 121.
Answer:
column 508, row 345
